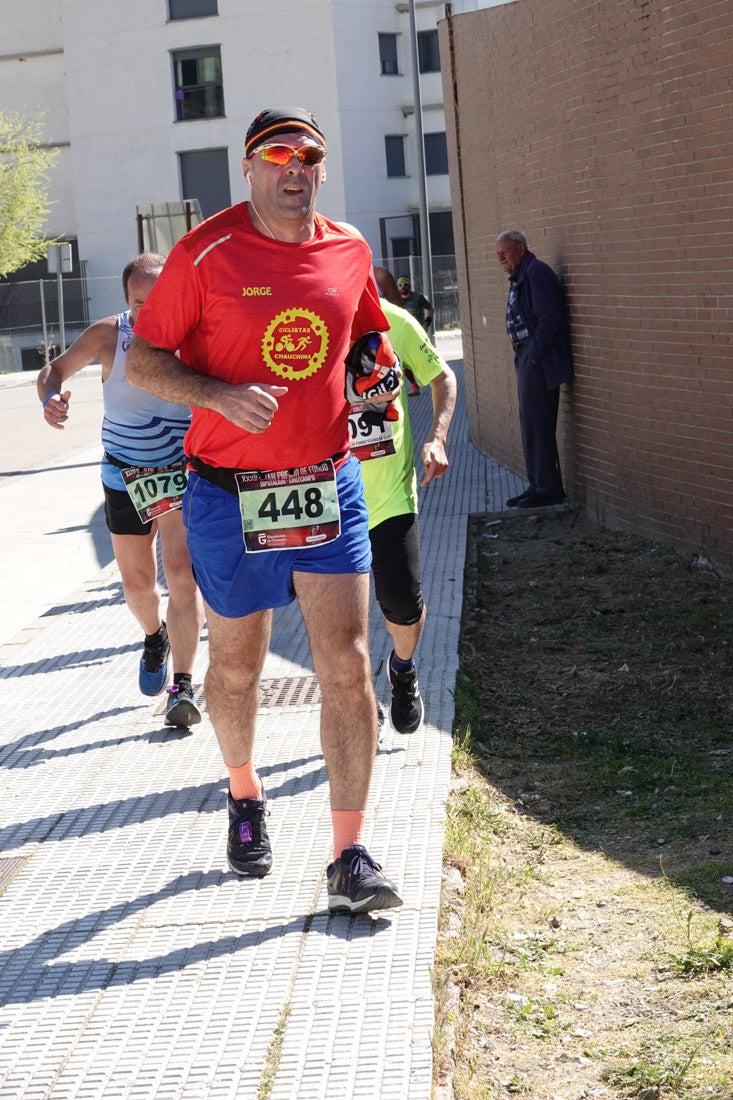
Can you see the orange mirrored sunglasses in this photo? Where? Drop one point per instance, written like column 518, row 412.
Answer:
column 308, row 155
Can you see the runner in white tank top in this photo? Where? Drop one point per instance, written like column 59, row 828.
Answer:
column 143, row 476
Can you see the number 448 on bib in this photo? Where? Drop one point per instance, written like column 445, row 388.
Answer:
column 287, row 509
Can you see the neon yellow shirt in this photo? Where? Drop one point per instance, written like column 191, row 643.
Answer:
column 390, row 481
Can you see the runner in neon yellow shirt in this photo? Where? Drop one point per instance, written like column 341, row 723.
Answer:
column 385, row 448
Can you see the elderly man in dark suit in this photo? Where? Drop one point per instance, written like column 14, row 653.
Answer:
column 537, row 327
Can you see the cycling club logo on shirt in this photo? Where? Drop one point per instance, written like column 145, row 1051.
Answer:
column 295, row 343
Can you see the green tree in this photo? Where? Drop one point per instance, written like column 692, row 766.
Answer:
column 24, row 178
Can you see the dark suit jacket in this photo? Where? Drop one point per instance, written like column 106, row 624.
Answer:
column 541, row 305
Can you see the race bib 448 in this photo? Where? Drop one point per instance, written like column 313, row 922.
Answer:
column 286, row 509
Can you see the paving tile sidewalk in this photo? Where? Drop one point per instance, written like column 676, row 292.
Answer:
column 132, row 963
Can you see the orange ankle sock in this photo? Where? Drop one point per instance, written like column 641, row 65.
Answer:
column 244, row 782
column 347, row 826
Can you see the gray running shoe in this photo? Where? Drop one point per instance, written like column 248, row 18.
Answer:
column 356, row 883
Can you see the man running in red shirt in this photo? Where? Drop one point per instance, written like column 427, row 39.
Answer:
column 262, row 303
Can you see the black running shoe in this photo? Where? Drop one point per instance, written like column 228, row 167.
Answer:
column 356, row 883
column 406, row 710
column 154, row 665
column 248, row 845
column 182, row 709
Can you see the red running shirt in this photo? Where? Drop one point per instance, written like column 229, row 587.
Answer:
column 245, row 308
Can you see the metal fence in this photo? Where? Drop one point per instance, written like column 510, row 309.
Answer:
column 41, row 317
column 445, row 286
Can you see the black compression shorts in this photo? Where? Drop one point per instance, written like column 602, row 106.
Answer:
column 121, row 515
column 396, row 569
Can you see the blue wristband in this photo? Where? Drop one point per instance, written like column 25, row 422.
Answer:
column 47, row 399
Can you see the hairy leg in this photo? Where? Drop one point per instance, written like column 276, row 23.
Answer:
column 237, row 651
column 335, row 610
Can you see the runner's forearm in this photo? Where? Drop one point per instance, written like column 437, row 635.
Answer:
column 443, row 393
column 48, row 381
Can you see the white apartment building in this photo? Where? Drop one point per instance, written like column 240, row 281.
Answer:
column 148, row 102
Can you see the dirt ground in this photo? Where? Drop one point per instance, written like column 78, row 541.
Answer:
column 596, row 680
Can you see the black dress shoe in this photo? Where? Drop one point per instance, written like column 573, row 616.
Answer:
column 514, row 501
column 540, row 500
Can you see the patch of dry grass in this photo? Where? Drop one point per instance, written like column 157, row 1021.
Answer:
column 586, row 944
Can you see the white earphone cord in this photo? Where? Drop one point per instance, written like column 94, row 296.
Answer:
column 252, row 204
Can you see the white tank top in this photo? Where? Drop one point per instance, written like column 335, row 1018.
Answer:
column 138, row 428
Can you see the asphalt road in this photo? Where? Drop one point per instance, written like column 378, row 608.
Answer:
column 26, row 441
column 54, row 534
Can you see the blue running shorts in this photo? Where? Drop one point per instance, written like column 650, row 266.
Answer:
column 235, row 583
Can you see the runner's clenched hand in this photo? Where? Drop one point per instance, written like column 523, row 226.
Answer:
column 56, row 409
column 251, row 407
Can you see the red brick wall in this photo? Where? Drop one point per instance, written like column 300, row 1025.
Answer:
column 604, row 130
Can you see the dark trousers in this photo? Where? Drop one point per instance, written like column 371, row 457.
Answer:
column 538, row 408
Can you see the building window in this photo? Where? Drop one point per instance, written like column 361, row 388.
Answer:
column 198, row 83
column 394, row 147
column 403, row 247
column 436, row 155
column 388, row 54
column 191, row 9
column 428, row 53
column 441, row 233
column 205, row 176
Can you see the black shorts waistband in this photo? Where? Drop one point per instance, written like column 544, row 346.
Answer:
column 225, row 476
column 128, row 465
column 117, row 462
column 222, row 476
